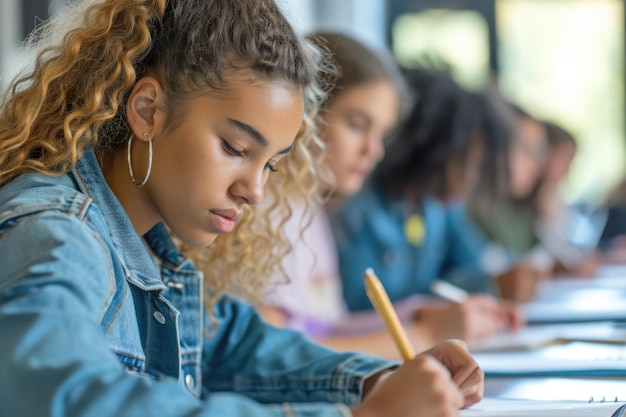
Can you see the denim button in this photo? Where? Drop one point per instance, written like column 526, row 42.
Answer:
column 159, row 317
column 189, row 382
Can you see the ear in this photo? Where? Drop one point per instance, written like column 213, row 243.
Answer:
column 145, row 107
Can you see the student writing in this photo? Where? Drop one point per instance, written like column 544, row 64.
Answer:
column 399, row 223
column 142, row 119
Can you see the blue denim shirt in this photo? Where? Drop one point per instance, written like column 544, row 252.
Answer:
column 96, row 321
column 370, row 232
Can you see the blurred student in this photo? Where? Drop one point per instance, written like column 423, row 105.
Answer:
column 363, row 109
column 530, row 221
column 561, row 152
column 141, row 119
column 577, row 228
column 509, row 220
column 571, row 233
column 613, row 237
column 397, row 223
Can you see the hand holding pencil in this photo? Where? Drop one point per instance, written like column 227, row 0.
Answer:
column 452, row 356
column 469, row 317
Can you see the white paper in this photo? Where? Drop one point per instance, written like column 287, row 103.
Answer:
column 577, row 358
column 493, row 407
column 538, row 336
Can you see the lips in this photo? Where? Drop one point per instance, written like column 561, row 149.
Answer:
column 225, row 220
column 362, row 171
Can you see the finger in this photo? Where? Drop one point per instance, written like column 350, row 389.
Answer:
column 510, row 314
column 494, row 307
column 492, row 323
column 460, row 343
column 488, row 326
column 459, row 398
column 455, row 397
column 514, row 316
column 487, row 301
column 469, row 377
column 473, row 396
column 517, row 321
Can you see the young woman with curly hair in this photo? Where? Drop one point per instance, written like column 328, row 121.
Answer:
column 143, row 119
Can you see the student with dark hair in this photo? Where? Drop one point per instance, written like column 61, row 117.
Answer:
column 508, row 219
column 529, row 221
column 502, row 216
column 143, row 119
column 571, row 232
column 398, row 224
column 561, row 153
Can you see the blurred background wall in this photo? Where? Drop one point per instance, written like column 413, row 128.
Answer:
column 559, row 59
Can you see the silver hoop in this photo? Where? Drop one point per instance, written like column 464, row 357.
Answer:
column 130, row 164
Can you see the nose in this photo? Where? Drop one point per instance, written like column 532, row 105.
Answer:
column 249, row 188
column 375, row 147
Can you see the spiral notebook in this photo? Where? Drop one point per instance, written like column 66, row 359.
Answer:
column 496, row 407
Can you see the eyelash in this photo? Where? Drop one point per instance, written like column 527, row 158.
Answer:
column 235, row 152
column 232, row 150
column 358, row 126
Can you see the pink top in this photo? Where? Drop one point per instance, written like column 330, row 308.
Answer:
column 312, row 298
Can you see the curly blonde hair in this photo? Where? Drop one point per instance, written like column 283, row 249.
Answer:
column 88, row 59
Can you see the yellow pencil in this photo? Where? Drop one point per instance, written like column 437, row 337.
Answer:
column 380, row 300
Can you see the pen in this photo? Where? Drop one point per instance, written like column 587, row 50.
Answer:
column 380, row 300
column 449, row 291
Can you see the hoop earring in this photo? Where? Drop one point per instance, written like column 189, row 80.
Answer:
column 130, row 164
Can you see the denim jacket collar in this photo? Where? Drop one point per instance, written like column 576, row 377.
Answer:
column 142, row 270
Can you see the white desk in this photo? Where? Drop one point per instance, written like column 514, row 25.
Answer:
column 600, row 298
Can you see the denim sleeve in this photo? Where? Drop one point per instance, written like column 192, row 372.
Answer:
column 55, row 281
column 269, row 364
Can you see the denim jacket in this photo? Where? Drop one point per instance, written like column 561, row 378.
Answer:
column 96, row 321
column 370, row 231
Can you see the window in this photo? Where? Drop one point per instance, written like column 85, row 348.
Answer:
column 458, row 38
column 564, row 60
column 559, row 60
